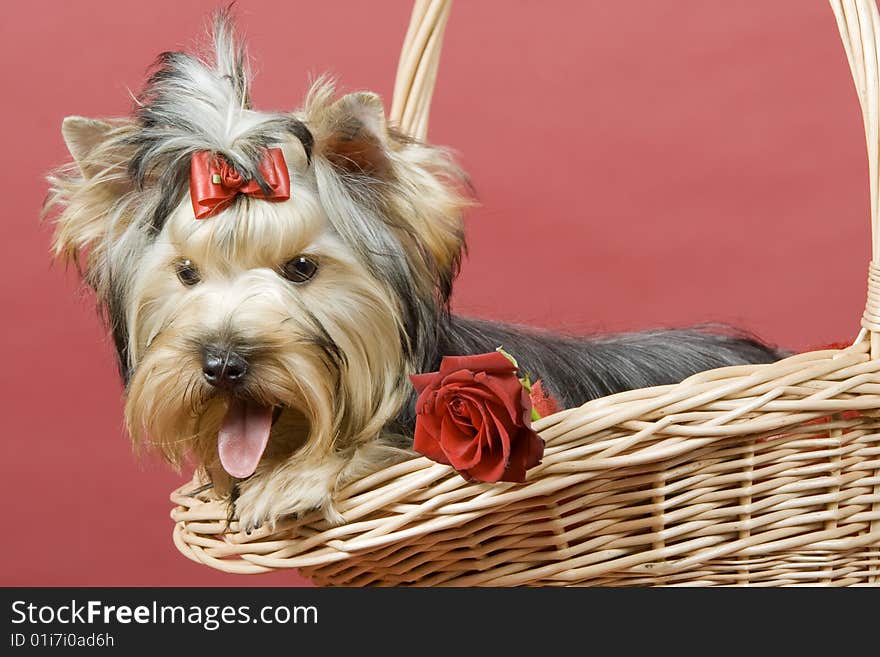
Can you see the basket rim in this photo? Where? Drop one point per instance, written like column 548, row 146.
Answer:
column 384, row 508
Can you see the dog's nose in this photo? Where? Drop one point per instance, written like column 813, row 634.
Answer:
column 223, row 368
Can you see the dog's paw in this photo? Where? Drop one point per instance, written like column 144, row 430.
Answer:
column 281, row 493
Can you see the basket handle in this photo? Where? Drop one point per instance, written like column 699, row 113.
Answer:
column 859, row 25
column 417, row 68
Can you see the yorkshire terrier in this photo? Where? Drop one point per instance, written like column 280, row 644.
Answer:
column 271, row 279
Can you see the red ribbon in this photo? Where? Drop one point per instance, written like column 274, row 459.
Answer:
column 214, row 182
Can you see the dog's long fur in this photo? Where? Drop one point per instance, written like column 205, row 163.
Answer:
column 382, row 215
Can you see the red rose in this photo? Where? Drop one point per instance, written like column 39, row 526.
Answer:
column 475, row 415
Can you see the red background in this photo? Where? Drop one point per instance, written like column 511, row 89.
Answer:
column 639, row 164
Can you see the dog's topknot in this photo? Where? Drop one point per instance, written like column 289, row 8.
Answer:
column 191, row 104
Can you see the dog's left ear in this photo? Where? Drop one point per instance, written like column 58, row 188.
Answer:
column 354, row 138
column 417, row 186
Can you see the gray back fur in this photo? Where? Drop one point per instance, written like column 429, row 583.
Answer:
column 575, row 370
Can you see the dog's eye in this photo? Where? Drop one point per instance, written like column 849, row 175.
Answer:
column 187, row 272
column 299, row 269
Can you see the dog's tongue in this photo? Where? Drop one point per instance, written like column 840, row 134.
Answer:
column 243, row 437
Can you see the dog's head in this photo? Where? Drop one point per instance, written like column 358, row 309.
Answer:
column 312, row 308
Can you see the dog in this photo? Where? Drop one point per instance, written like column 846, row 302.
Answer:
column 268, row 334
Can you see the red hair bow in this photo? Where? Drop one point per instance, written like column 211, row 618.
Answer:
column 214, row 182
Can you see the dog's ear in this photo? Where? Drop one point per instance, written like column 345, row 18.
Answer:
column 87, row 190
column 418, row 187
column 88, row 195
column 354, row 135
column 83, row 136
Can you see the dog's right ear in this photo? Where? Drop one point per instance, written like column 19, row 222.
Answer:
column 91, row 196
column 87, row 191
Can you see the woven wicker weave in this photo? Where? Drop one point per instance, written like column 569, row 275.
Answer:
column 761, row 475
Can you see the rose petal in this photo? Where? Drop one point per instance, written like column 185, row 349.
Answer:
column 528, row 448
column 489, row 362
column 463, row 418
column 502, row 433
column 456, row 406
column 507, row 390
column 536, row 450
column 426, row 439
column 503, row 424
column 462, row 447
column 422, row 381
column 491, row 468
column 474, row 399
column 475, row 389
column 426, row 411
column 428, row 445
column 494, row 448
column 472, row 395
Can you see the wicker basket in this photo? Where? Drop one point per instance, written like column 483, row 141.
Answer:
column 762, row 475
